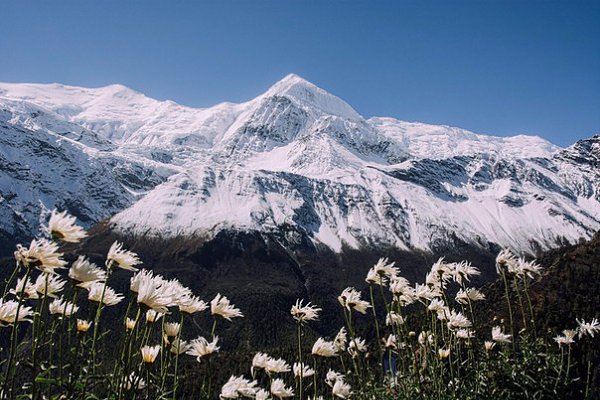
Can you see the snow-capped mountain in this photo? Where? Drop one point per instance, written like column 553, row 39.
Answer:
column 296, row 163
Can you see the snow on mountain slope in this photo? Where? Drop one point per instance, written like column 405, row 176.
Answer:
column 438, row 141
column 297, row 163
column 413, row 205
column 123, row 116
column 46, row 162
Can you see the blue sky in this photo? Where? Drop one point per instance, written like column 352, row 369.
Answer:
column 491, row 67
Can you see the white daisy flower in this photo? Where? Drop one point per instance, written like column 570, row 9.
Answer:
column 63, row 227
column 201, row 347
column 221, row 306
column 279, row 390
column 125, row 259
column 304, row 313
column 351, row 299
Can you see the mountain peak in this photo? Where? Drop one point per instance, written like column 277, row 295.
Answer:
column 117, row 88
column 308, row 95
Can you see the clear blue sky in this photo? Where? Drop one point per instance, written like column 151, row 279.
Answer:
column 491, row 67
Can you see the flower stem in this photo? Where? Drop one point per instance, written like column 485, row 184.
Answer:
column 314, row 378
column 531, row 315
column 520, row 298
column 587, row 379
column 299, row 326
column 378, row 344
column 10, row 279
column 351, row 331
column 13, row 340
column 39, row 334
column 98, row 314
column 177, row 357
column 214, row 328
column 562, row 356
column 568, row 365
column 510, row 314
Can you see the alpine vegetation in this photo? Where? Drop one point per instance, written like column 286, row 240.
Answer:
column 400, row 340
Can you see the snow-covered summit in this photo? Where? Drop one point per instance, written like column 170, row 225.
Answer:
column 311, row 97
column 295, row 162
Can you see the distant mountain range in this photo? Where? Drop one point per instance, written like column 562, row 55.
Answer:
column 296, row 163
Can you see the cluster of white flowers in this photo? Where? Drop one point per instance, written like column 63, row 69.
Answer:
column 432, row 294
column 464, row 296
column 583, row 329
column 517, row 266
column 63, row 307
column 157, row 296
column 42, row 254
column 382, row 272
column 269, row 364
column 153, row 293
column 356, row 346
column 567, row 338
column 339, row 388
column 238, row 386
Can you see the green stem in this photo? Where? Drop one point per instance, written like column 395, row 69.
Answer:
column 299, row 328
column 39, row 334
column 343, row 364
column 10, row 279
column 314, row 378
column 162, row 347
column 132, row 337
column 450, row 345
column 568, row 365
column 148, row 381
column 520, row 298
column 177, row 357
column 510, row 314
column 378, row 340
column 60, row 349
column 531, row 314
column 351, row 331
column 209, row 391
column 13, row 340
column 214, row 328
column 51, row 352
column 587, row 379
column 562, row 356
column 120, row 363
column 74, row 368
column 98, row 314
